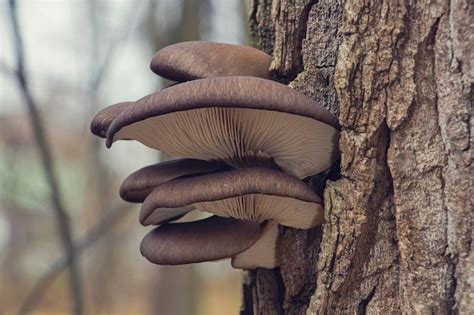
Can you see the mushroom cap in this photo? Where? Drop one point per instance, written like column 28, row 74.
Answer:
column 209, row 239
column 188, row 61
column 255, row 194
column 236, row 120
column 102, row 120
column 263, row 253
column 137, row 186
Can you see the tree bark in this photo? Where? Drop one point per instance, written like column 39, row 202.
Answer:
column 398, row 208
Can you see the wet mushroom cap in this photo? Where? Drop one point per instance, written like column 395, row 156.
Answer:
column 102, row 120
column 199, row 59
column 263, row 253
column 234, row 119
column 255, row 194
column 204, row 240
column 137, row 186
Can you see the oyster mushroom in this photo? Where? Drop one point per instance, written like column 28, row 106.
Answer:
column 193, row 60
column 239, row 120
column 102, row 120
column 137, row 186
column 199, row 59
column 228, row 116
column 255, row 194
column 209, row 239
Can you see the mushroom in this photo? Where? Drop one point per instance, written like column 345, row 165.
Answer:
column 209, row 239
column 137, row 186
column 193, row 60
column 227, row 122
column 262, row 254
column 102, row 120
column 255, row 194
column 196, row 60
column 239, row 120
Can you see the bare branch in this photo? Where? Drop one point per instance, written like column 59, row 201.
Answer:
column 106, row 60
column 108, row 220
column 60, row 213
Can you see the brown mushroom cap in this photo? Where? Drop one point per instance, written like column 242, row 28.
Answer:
column 199, row 59
column 137, row 186
column 102, row 120
column 255, row 194
column 263, row 253
column 204, row 240
column 236, row 120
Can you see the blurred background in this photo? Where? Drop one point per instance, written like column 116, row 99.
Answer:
column 80, row 56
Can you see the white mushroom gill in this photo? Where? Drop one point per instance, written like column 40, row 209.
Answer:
column 162, row 214
column 240, row 136
column 258, row 208
column 262, row 253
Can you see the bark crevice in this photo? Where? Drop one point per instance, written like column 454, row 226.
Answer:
column 398, row 231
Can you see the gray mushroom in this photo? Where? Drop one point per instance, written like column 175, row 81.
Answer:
column 137, row 186
column 102, row 120
column 193, row 60
column 263, row 253
column 238, row 120
column 228, row 116
column 255, row 194
column 209, row 239
column 199, row 59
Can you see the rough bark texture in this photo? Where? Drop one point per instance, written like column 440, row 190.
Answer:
column 398, row 231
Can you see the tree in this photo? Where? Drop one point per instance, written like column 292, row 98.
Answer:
column 398, row 208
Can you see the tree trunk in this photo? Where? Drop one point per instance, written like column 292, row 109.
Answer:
column 398, row 208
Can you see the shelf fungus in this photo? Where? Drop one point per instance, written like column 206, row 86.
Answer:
column 137, row 186
column 255, row 194
column 102, row 120
column 193, row 60
column 238, row 120
column 243, row 143
column 213, row 238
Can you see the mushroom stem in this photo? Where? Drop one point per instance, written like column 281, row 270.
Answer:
column 263, row 253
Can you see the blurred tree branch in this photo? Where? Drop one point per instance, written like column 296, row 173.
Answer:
column 100, row 69
column 60, row 213
column 108, row 220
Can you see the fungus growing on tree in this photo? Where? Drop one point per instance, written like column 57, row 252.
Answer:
column 209, row 239
column 241, row 121
column 188, row 61
column 255, row 194
column 194, row 60
column 101, row 122
column 245, row 143
column 137, row 186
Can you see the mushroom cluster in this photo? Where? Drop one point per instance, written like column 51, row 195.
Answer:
column 243, row 144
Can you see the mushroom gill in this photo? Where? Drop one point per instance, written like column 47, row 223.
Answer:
column 255, row 194
column 244, row 142
column 238, row 120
